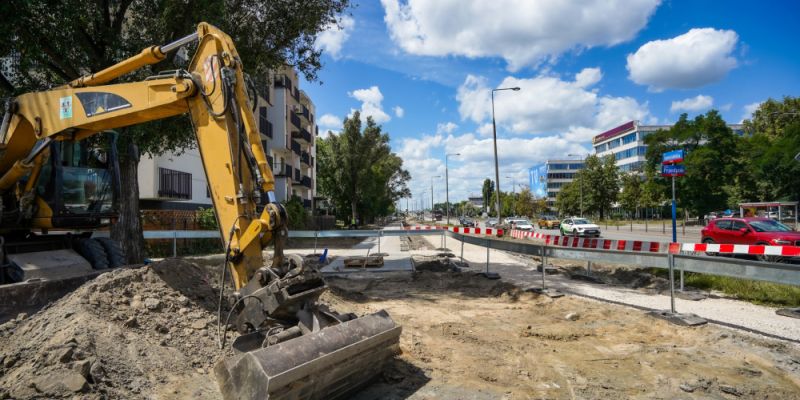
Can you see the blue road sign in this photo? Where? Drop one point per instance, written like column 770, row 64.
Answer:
column 673, row 170
column 672, row 157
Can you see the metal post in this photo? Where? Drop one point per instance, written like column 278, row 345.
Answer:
column 380, row 235
column 315, row 241
column 462, row 248
column 588, row 268
column 544, row 265
column 671, row 262
column 488, row 245
column 443, row 241
column 496, row 167
column 174, row 242
column 674, row 216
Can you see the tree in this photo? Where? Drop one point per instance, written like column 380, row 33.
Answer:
column 358, row 172
column 631, row 196
column 712, row 160
column 600, row 180
column 488, row 192
column 53, row 42
column 568, row 199
column 772, row 117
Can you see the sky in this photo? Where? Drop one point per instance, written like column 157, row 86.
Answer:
column 424, row 71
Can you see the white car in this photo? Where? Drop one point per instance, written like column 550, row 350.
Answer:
column 522, row 224
column 579, row 227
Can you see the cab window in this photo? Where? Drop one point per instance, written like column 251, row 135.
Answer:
column 724, row 225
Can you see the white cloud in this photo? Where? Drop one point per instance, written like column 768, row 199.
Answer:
column 523, row 32
column 334, row 36
column 399, row 112
column 370, row 99
column 749, row 110
column 547, row 104
column 330, row 122
column 446, row 128
column 699, row 103
column 696, row 58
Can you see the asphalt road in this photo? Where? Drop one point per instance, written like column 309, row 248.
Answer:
column 652, row 233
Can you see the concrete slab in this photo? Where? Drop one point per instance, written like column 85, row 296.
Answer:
column 678, row 318
column 789, row 312
column 691, row 295
column 551, row 293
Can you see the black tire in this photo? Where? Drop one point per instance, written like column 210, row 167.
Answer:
column 114, row 252
column 93, row 252
column 768, row 258
column 575, row 233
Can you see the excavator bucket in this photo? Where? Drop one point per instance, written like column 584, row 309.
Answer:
column 327, row 364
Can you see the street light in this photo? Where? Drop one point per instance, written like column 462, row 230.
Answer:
column 447, row 184
column 494, row 136
column 580, row 178
column 437, row 176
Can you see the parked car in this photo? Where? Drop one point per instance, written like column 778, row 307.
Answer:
column 579, row 227
column 522, row 224
column 467, row 222
column 548, row 222
column 758, row 231
column 491, row 222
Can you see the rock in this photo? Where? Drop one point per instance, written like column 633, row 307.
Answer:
column 730, row 390
column 65, row 355
column 201, row 371
column 97, row 372
column 183, row 300
column 9, row 361
column 152, row 304
column 573, row 316
column 199, row 324
column 22, row 316
column 183, row 311
column 131, row 323
column 687, row 387
column 61, row 383
column 162, row 329
column 82, row 367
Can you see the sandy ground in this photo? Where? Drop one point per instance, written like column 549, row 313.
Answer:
column 150, row 333
column 465, row 337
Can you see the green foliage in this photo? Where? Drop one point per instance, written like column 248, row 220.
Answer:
column 767, row 293
column 357, row 170
column 207, row 219
column 568, row 199
column 631, row 196
column 298, row 217
column 600, row 181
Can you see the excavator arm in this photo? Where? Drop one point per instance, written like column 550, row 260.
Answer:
column 289, row 346
column 212, row 91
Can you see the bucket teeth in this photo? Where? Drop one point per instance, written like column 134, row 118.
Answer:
column 326, row 364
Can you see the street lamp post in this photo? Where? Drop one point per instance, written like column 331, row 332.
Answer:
column 437, row 176
column 447, row 184
column 496, row 167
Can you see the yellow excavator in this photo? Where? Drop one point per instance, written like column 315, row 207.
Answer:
column 55, row 192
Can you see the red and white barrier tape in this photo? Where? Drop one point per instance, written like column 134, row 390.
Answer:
column 658, row 247
column 592, row 243
column 458, row 229
column 782, row 251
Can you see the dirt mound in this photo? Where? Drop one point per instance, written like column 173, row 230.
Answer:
column 130, row 333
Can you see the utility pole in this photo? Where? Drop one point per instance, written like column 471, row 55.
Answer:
column 514, row 192
column 496, row 165
column 437, row 176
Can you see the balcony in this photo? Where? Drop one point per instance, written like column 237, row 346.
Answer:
column 270, row 162
column 295, row 147
column 283, row 81
column 296, row 179
column 304, row 158
column 283, row 170
column 303, row 136
column 306, row 203
column 306, row 181
column 305, row 113
column 295, row 120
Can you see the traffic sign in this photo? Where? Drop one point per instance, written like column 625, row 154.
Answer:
column 672, row 157
column 673, row 170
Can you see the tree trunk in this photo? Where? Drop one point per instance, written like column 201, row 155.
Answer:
column 128, row 230
column 353, row 213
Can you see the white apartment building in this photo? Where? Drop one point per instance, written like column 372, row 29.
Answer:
column 285, row 119
column 626, row 143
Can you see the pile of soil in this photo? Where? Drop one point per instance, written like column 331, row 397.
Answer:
column 130, row 333
column 440, row 262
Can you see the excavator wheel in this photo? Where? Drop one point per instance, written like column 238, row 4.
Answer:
column 94, row 252
column 114, row 252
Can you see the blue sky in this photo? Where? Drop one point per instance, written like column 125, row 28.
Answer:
column 424, row 71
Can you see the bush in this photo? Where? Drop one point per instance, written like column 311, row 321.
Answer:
column 298, row 217
column 207, row 219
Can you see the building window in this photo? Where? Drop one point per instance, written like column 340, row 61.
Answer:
column 174, row 184
column 629, row 138
column 264, row 126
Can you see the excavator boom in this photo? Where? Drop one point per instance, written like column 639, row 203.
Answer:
column 290, row 346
